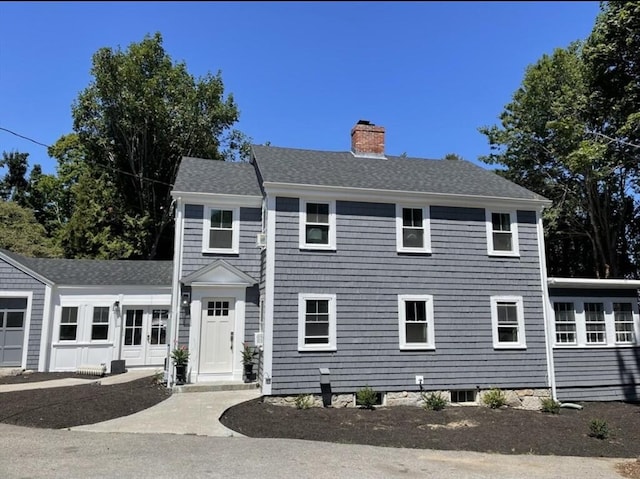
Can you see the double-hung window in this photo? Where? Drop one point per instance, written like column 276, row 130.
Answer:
column 317, row 224
column 623, row 320
column 416, row 326
column 565, row 322
column 316, row 322
column 100, row 325
column 69, row 323
column 220, row 233
column 595, row 325
column 412, row 229
column 502, row 233
column 507, row 321
column 595, row 322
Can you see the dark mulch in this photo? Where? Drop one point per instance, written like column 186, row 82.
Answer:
column 468, row 428
column 39, row 377
column 77, row 405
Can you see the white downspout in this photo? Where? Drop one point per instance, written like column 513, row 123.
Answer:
column 546, row 303
column 174, row 323
column 269, row 290
column 47, row 327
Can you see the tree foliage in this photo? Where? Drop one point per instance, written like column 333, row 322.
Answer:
column 21, row 233
column 567, row 135
column 139, row 116
column 14, row 184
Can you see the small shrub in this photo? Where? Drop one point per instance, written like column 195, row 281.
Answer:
column 304, row 401
column 599, row 429
column 434, row 401
column 494, row 398
column 366, row 397
column 158, row 378
column 550, row 405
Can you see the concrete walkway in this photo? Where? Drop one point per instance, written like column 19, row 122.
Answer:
column 130, row 375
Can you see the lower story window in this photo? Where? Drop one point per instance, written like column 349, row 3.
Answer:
column 623, row 318
column 100, row 326
column 463, row 395
column 69, row 323
column 508, row 322
column 594, row 323
column 316, row 322
column 416, row 321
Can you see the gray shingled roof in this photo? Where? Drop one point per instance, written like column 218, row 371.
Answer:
column 197, row 175
column 93, row 272
column 343, row 169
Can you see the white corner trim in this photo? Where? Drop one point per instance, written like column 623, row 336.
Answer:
column 174, row 321
column 269, row 292
column 47, row 323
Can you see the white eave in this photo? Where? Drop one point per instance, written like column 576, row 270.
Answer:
column 593, row 283
column 218, row 198
column 368, row 194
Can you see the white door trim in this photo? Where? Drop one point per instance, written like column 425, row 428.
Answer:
column 199, row 293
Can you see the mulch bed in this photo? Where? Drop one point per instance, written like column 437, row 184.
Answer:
column 468, row 428
column 64, row 407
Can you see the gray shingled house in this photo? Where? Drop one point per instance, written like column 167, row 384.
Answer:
column 359, row 268
column 65, row 315
column 344, row 269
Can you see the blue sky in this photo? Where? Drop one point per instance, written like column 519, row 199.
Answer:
column 302, row 73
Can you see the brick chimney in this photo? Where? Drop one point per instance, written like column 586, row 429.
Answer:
column 367, row 140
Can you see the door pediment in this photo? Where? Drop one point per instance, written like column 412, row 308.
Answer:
column 219, row 273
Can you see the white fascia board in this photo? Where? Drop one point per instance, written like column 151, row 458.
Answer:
column 594, row 283
column 114, row 288
column 26, row 270
column 394, row 196
column 218, row 199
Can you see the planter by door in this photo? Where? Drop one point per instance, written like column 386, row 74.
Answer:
column 181, row 373
column 248, row 373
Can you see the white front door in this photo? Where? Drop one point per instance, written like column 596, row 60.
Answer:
column 145, row 335
column 216, row 339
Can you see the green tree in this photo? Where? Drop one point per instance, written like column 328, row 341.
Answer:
column 21, row 233
column 14, row 184
column 543, row 142
column 139, row 116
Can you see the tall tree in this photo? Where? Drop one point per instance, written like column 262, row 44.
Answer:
column 545, row 145
column 14, row 184
column 21, row 233
column 141, row 113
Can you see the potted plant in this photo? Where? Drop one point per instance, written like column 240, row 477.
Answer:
column 180, row 356
column 248, row 353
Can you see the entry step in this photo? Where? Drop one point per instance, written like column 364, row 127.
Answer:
column 211, row 387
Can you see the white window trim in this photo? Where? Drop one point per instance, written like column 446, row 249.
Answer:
column 302, row 299
column 428, row 299
column 513, row 219
column 303, row 222
column 609, row 320
column 79, row 324
column 575, row 323
column 522, row 342
column 426, row 226
column 235, row 230
column 109, row 323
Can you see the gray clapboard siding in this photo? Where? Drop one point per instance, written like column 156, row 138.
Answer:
column 367, row 274
column 630, row 393
column 13, row 279
column 579, row 370
column 248, row 260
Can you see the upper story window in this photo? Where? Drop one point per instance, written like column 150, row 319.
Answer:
column 507, row 319
column 412, row 229
column 416, row 326
column 221, row 230
column 502, row 233
column 595, row 322
column 69, row 323
column 317, row 224
column 100, row 324
column 316, row 322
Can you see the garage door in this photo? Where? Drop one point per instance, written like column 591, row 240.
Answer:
column 13, row 312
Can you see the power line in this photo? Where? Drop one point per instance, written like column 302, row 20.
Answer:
column 99, row 165
column 24, row 137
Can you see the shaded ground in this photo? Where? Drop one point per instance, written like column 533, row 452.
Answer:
column 468, row 428
column 77, row 405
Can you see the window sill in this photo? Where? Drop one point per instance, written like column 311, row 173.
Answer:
column 306, row 247
column 326, row 349
column 417, row 347
column 595, row 346
column 414, row 251
column 509, row 346
column 504, row 254
column 220, row 251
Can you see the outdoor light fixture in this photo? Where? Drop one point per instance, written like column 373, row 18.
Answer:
column 116, row 307
column 186, row 299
